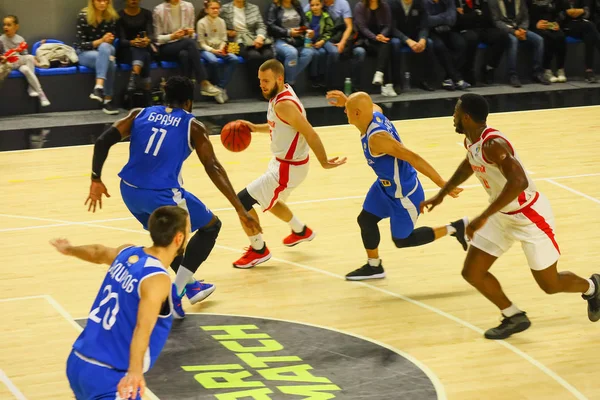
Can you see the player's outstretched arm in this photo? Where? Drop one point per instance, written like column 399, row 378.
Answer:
column 117, row 132
column 154, row 291
column 289, row 112
column 262, row 128
column 383, row 143
column 463, row 173
column 94, row 253
column 217, row 174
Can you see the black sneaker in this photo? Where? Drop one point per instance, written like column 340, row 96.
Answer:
column 97, row 94
column 488, row 75
column 110, row 109
column 594, row 300
column 589, row 77
column 133, row 82
column 426, row 86
column 514, row 81
column 366, row 272
column 509, row 326
column 540, row 78
column 460, row 235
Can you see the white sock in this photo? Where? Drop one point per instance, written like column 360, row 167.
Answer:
column 374, row 262
column 296, row 225
column 106, row 101
column 183, row 277
column 98, row 87
column 257, row 242
column 592, row 288
column 450, row 230
column 510, row 311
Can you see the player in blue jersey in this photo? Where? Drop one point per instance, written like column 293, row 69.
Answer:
column 162, row 138
column 397, row 192
column 130, row 319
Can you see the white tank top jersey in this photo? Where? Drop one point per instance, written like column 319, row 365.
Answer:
column 490, row 176
column 286, row 143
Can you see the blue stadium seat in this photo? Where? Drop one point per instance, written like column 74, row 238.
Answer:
column 16, row 74
column 482, row 46
column 573, row 40
column 169, row 64
column 52, row 71
column 86, row 70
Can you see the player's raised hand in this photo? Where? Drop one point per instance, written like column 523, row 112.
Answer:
column 130, row 384
column 431, row 203
column 336, row 98
column 334, row 162
column 249, row 222
column 249, row 124
column 62, row 245
column 97, row 189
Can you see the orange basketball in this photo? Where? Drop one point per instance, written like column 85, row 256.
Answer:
column 236, row 136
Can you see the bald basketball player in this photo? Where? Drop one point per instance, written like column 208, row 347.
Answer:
column 397, row 192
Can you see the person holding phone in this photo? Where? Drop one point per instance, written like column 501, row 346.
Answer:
column 135, row 47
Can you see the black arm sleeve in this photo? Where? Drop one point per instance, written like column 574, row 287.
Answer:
column 101, row 148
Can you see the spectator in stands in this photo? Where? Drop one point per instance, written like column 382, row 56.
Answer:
column 96, row 26
column 326, row 54
column 411, row 30
column 135, row 30
column 475, row 24
column 343, row 38
column 174, row 33
column 245, row 26
column 25, row 62
column 449, row 46
column 595, row 11
column 374, row 24
column 287, row 24
column 212, row 38
column 576, row 17
column 512, row 16
column 544, row 16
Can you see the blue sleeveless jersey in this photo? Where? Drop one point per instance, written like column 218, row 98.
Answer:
column 160, row 143
column 111, row 322
column 397, row 177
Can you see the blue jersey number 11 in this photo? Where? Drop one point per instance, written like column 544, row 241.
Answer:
column 163, row 132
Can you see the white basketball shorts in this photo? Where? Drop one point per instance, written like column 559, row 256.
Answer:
column 532, row 225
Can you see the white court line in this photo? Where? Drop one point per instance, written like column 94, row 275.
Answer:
column 11, row 386
column 435, row 310
column 63, row 223
column 65, row 314
column 577, row 192
column 339, row 126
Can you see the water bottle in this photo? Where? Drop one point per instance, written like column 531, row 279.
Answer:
column 307, row 41
column 348, row 87
column 406, row 80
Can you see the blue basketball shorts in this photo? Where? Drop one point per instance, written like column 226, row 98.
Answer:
column 90, row 381
column 142, row 202
column 403, row 213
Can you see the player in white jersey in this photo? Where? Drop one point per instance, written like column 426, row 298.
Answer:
column 517, row 212
column 291, row 137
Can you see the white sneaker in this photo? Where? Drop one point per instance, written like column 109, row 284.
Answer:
column 210, row 90
column 224, row 94
column 32, row 92
column 388, row 90
column 550, row 76
column 44, row 102
column 378, row 78
column 561, row 75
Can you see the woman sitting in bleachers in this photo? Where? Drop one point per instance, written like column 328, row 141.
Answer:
column 175, row 33
column 134, row 30
column 25, row 62
column 96, row 26
column 246, row 27
column 544, row 20
column 287, row 24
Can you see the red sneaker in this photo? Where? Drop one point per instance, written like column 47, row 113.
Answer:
column 252, row 257
column 305, row 236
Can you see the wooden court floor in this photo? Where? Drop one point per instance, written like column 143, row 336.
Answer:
column 423, row 307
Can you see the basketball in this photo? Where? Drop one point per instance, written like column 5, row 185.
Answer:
column 236, row 136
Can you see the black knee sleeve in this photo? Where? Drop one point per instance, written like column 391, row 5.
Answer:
column 200, row 246
column 247, row 201
column 369, row 231
column 418, row 237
